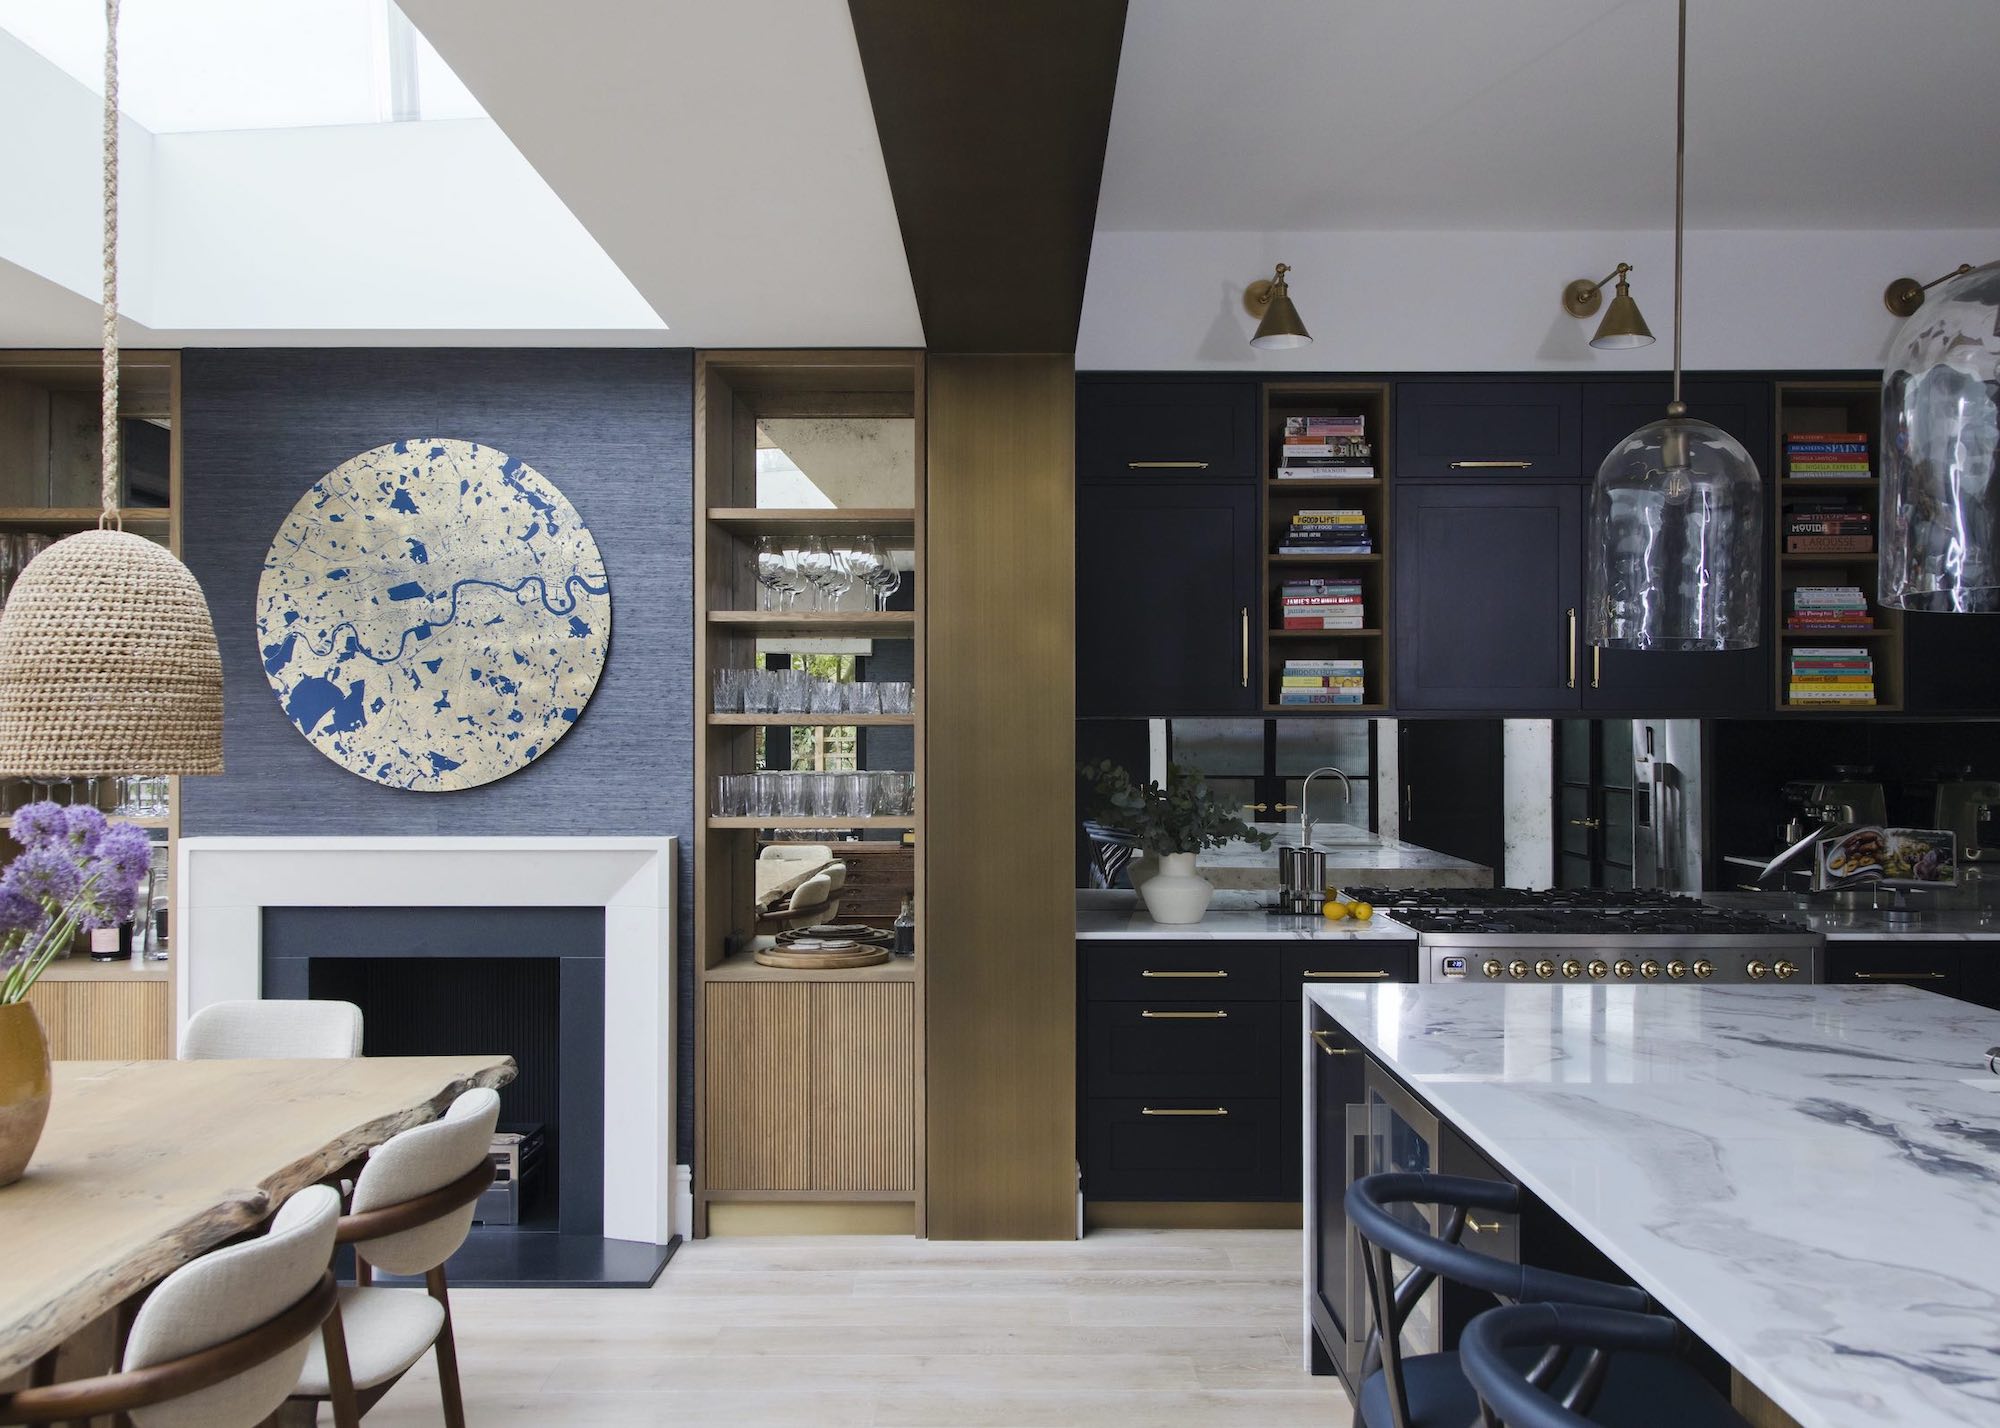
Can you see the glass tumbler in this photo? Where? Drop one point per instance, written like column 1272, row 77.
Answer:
column 728, row 690
column 863, row 697
column 826, row 697
column 793, row 690
column 896, row 697
column 791, row 794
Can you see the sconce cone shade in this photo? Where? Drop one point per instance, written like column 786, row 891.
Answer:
column 1940, row 519
column 1281, row 325
column 1622, row 325
column 1676, row 536
column 108, row 664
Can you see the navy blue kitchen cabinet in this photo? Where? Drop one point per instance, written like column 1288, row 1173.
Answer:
column 1488, row 588
column 1526, row 430
column 1166, row 592
column 1661, row 683
column 1151, row 430
column 1949, row 664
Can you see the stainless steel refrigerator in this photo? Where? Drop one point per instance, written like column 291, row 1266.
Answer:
column 1667, row 843
column 1629, row 804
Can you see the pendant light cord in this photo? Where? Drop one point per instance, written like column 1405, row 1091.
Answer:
column 110, row 515
column 1681, row 175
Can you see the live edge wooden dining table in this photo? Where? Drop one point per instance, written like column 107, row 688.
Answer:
column 145, row 1165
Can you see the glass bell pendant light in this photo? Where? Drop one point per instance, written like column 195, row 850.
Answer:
column 1677, row 510
column 1940, row 436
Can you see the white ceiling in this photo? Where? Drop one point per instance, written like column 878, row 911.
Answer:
column 1300, row 115
column 723, row 155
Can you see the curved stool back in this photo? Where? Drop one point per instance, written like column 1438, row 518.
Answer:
column 219, row 1343
column 276, row 1030
column 1506, row 1396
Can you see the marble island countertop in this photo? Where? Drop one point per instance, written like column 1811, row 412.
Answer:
column 1232, row 917
column 1353, row 855
column 1805, row 1176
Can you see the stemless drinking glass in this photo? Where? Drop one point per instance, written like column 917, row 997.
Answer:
column 863, row 697
column 854, row 795
column 10, row 566
column 794, row 690
column 728, row 685
column 760, row 691
column 826, row 696
column 893, row 792
column 896, row 696
column 791, row 794
column 766, row 794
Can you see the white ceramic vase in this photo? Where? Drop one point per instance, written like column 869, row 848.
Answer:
column 1177, row 893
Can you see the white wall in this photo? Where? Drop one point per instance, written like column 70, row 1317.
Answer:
column 1452, row 301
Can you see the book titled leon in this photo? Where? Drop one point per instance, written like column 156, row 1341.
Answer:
column 1326, row 682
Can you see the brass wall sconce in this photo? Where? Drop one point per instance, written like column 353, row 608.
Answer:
column 1270, row 301
column 1904, row 296
column 1622, row 325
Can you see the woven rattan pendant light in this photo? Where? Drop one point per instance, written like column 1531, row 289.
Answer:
column 108, row 662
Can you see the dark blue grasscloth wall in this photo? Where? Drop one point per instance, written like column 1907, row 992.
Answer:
column 612, row 429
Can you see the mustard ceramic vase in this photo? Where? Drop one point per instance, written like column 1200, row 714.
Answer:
column 24, row 1088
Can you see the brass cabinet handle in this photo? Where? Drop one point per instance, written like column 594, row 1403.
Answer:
column 1285, row 807
column 1491, row 465
column 1377, row 975
column 1246, row 647
column 1491, row 1227
column 1173, row 1111
column 1899, row 976
column 1572, row 647
column 1149, row 972
column 1586, row 823
column 1150, row 1015
column 1325, row 1040
column 1166, row 466
column 1596, row 664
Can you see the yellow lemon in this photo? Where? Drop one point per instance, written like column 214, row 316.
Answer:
column 1334, row 910
column 1362, row 911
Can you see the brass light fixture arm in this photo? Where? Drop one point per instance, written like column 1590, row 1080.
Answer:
column 1582, row 297
column 1257, row 296
column 1904, row 296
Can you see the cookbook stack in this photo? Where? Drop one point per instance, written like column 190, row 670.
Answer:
column 1321, row 605
column 1826, row 675
column 1830, row 608
column 1827, row 455
column 1331, row 532
column 1828, row 526
column 1326, row 448
column 1323, row 682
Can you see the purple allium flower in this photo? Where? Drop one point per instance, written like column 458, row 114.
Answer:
column 38, row 823
column 19, row 913
column 45, row 872
column 123, row 854
column 84, row 825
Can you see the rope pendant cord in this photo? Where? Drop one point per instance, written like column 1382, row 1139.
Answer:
column 1680, row 179
column 110, row 516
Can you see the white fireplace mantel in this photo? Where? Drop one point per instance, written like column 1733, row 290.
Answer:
column 224, row 884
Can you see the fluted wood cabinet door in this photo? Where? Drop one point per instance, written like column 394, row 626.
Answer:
column 757, row 1070
column 863, row 1110
column 103, row 1021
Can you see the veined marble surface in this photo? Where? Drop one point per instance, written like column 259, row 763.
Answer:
column 1809, row 1177
column 1953, row 924
column 1353, row 855
column 1232, row 917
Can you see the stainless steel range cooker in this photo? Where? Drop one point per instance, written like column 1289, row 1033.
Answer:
column 1502, row 935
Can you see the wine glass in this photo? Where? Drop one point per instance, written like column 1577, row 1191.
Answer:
column 840, row 575
column 10, row 565
column 887, row 581
column 771, row 572
column 815, row 567
column 864, row 560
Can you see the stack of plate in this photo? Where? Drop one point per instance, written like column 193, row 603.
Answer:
column 820, row 954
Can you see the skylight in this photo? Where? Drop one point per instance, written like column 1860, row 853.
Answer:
column 188, row 66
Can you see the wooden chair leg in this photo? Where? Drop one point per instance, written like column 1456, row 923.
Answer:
column 364, row 1273
column 447, row 1353
column 339, row 1375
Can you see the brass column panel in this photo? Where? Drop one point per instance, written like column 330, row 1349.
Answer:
column 999, row 748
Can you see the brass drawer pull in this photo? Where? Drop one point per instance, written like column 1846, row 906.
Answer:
column 1491, row 465
column 1149, row 972
column 1325, row 1039
column 1171, row 1111
column 1150, row 1015
column 1375, row 976
column 1246, row 646
column 1491, row 1227
column 1899, row 976
column 1586, row 823
column 1572, row 647
column 1166, row 466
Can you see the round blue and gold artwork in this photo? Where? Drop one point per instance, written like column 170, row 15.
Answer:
column 433, row 615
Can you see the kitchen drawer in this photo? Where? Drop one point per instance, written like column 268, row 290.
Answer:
column 1204, row 1148
column 1928, row 966
column 1166, row 431
column 1180, row 971
column 1352, row 963
column 1463, row 431
column 1189, row 1049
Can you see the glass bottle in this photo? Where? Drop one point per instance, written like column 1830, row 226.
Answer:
column 906, row 929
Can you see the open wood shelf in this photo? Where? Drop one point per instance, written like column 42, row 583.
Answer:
column 1372, row 634
column 743, row 967
column 812, row 721
column 70, row 519
column 890, row 523
column 716, row 820
column 881, row 624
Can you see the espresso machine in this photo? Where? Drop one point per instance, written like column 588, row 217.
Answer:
column 1852, row 795
column 1966, row 806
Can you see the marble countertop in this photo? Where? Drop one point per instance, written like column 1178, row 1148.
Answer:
column 1353, row 855
column 1805, row 1176
column 1940, row 925
column 1232, row 917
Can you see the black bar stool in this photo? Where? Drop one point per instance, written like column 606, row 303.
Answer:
column 1494, row 1342
column 1431, row 1390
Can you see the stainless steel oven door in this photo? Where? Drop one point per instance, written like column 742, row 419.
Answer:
column 1402, row 1135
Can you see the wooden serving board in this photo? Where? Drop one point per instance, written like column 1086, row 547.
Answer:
column 821, row 959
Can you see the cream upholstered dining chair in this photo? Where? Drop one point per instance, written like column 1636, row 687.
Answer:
column 272, row 1030
column 412, row 1208
column 836, row 879
column 795, row 853
column 220, row 1342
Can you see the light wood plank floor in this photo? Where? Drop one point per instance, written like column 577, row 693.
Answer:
column 1197, row 1329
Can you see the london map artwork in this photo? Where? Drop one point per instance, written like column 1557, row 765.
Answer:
column 433, row 615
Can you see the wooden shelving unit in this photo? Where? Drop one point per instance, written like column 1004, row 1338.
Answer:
column 1802, row 408
column 48, row 485
column 1282, row 499
column 809, row 1086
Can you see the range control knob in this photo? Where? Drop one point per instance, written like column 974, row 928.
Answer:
column 1545, row 969
column 1649, row 969
column 1677, row 969
column 1623, row 967
column 1517, row 969
column 1572, row 968
column 1786, row 971
column 1757, row 970
column 1703, row 967
column 1598, row 967
column 1492, row 966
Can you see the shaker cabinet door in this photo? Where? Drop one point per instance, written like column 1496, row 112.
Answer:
column 1152, row 430
column 1165, row 595
column 1486, row 597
